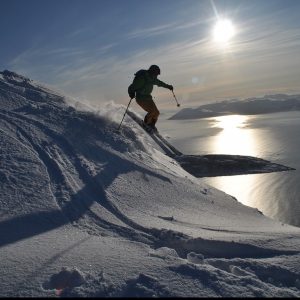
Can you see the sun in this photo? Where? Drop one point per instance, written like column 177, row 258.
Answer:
column 223, row 31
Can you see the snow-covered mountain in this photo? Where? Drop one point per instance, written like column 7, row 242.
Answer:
column 90, row 211
column 251, row 106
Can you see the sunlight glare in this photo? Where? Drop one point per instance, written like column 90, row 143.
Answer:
column 223, row 31
column 230, row 122
column 235, row 138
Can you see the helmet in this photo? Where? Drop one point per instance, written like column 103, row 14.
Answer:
column 154, row 69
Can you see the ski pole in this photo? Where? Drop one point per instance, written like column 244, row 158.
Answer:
column 125, row 113
column 175, row 99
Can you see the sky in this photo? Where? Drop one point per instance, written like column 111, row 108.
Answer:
column 89, row 211
column 91, row 49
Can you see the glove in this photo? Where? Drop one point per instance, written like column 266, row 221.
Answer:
column 131, row 95
column 171, row 87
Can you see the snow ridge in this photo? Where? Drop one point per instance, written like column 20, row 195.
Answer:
column 251, row 106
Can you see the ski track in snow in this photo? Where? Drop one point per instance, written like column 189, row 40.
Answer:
column 81, row 200
column 53, row 160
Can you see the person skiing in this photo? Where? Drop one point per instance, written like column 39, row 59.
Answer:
column 141, row 89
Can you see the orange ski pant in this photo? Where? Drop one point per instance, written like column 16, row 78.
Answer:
column 152, row 112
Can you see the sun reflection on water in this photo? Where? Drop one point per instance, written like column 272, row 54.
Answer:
column 231, row 122
column 235, row 137
column 242, row 187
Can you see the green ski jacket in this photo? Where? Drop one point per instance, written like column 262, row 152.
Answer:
column 143, row 83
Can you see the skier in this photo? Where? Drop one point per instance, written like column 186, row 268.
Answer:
column 141, row 89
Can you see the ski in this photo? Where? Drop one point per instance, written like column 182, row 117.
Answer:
column 177, row 152
column 156, row 136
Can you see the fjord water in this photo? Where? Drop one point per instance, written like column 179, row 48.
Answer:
column 274, row 137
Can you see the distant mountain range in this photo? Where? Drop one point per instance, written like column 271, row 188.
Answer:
column 250, row 106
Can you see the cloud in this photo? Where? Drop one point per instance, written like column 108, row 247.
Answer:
column 261, row 50
column 162, row 29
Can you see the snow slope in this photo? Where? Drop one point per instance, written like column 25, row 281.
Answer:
column 89, row 211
